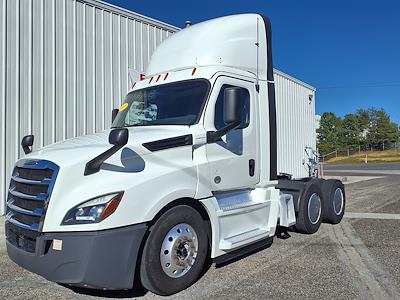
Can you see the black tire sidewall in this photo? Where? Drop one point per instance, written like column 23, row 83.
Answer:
column 303, row 223
column 152, row 275
column 329, row 188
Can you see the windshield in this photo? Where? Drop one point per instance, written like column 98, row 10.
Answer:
column 178, row 103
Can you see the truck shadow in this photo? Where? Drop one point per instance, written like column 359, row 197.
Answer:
column 283, row 233
column 137, row 291
column 131, row 161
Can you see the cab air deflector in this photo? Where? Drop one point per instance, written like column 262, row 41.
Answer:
column 178, row 141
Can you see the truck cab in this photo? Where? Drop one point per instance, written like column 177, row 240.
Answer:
column 188, row 168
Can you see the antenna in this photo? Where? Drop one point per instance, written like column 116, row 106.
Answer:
column 258, row 46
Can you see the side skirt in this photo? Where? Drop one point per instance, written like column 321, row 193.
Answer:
column 243, row 252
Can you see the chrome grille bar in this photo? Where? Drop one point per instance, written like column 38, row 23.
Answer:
column 38, row 212
column 38, row 197
column 32, row 227
column 28, row 181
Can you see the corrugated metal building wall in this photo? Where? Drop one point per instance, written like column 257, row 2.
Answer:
column 63, row 67
column 295, row 118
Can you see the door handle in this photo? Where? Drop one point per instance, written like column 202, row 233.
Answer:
column 252, row 165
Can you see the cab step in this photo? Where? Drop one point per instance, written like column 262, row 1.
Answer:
column 238, row 240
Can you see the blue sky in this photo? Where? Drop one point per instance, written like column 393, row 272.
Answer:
column 348, row 49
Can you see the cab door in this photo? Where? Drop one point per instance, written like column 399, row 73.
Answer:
column 234, row 161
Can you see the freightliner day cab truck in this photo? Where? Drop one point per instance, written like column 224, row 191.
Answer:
column 188, row 170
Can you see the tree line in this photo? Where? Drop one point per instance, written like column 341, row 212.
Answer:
column 367, row 128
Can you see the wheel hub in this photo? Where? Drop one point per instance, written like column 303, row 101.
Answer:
column 338, row 201
column 182, row 251
column 179, row 250
column 314, row 208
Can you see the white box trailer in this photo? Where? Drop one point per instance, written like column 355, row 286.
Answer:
column 295, row 118
column 206, row 156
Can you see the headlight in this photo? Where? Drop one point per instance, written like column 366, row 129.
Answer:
column 94, row 210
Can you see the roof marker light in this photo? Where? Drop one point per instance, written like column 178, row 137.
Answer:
column 194, row 71
column 142, row 76
column 166, row 75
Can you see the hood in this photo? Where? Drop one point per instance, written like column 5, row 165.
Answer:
column 134, row 170
column 84, row 148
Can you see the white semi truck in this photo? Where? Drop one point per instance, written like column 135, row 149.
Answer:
column 191, row 168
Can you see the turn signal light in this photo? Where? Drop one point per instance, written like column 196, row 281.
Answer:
column 110, row 208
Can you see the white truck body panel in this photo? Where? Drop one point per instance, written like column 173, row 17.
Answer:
column 230, row 214
column 235, row 39
column 295, row 111
column 226, row 41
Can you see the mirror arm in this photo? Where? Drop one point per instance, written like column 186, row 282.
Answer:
column 94, row 165
column 214, row 136
column 118, row 138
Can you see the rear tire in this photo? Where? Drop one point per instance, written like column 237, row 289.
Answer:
column 334, row 201
column 309, row 216
column 175, row 251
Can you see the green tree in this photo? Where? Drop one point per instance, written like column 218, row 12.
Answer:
column 351, row 133
column 365, row 127
column 329, row 133
column 381, row 129
column 364, row 122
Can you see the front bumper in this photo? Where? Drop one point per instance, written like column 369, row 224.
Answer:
column 101, row 259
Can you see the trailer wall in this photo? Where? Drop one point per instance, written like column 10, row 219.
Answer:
column 295, row 117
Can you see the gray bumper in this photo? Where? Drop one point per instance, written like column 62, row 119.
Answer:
column 102, row 259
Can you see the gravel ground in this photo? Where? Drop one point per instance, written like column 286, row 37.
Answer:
column 356, row 259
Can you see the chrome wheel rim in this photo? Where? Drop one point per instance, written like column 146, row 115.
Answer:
column 179, row 250
column 314, row 208
column 338, row 200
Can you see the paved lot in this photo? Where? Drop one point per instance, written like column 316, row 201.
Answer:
column 371, row 169
column 357, row 259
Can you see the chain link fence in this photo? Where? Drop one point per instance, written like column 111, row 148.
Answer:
column 360, row 149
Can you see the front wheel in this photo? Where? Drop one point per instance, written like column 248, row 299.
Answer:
column 175, row 251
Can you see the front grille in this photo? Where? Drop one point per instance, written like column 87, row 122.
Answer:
column 31, row 185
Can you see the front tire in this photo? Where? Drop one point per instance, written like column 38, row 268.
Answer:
column 175, row 251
